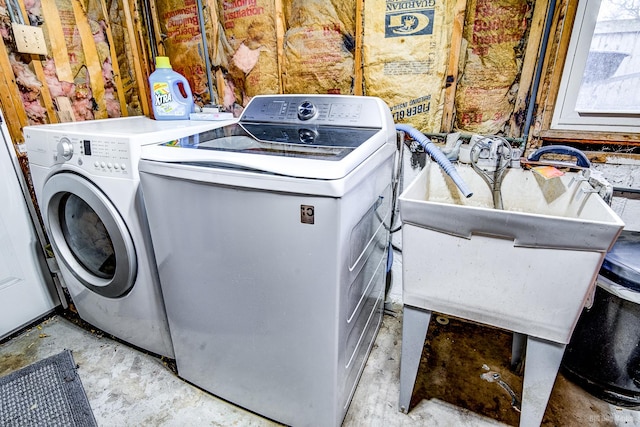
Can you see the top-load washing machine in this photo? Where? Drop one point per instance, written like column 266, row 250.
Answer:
column 85, row 176
column 271, row 239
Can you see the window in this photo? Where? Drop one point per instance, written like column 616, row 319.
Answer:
column 600, row 87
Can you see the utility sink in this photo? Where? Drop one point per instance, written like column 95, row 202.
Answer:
column 528, row 268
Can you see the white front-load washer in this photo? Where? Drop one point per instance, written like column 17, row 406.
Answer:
column 85, row 176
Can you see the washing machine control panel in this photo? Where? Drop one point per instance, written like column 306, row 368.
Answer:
column 358, row 111
column 99, row 155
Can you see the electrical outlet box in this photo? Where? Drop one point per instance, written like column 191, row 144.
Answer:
column 29, row 39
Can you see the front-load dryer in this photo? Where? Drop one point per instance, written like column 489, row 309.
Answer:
column 85, row 176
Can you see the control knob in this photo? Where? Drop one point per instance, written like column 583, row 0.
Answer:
column 306, row 110
column 65, row 148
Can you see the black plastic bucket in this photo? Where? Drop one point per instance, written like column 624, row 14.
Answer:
column 603, row 356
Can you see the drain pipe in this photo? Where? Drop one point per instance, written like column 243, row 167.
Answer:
column 438, row 156
column 536, row 81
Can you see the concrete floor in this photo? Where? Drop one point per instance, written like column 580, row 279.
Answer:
column 127, row 387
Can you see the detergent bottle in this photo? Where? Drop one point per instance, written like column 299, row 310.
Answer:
column 169, row 102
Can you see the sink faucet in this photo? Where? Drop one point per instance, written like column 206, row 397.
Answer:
column 494, row 164
column 583, row 176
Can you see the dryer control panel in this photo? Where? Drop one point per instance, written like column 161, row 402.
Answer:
column 101, row 155
column 105, row 147
column 105, row 156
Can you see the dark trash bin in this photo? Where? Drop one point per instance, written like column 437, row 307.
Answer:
column 603, row 356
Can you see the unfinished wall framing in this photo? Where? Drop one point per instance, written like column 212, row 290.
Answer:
column 90, row 70
column 429, row 60
column 433, row 62
column 441, row 65
column 262, row 47
column 469, row 67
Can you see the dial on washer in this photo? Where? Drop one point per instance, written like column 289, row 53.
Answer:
column 306, row 110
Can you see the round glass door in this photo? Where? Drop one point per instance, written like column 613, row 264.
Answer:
column 88, row 235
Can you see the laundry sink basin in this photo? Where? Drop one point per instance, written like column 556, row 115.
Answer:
column 527, row 268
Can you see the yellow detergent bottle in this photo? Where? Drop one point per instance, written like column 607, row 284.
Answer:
column 169, row 102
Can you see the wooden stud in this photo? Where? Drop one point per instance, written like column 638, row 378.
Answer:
column 448, row 113
column 280, row 32
column 12, row 113
column 117, row 78
column 91, row 59
column 358, row 82
column 532, row 52
column 11, row 97
column 142, row 47
column 45, row 95
column 555, row 58
column 603, row 157
column 65, row 110
column 590, row 137
column 141, row 77
column 141, row 35
column 7, row 99
column 215, row 42
column 59, row 53
column 214, row 22
column 221, row 84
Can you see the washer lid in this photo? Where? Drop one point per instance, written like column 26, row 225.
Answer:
column 293, row 135
column 321, row 142
column 622, row 262
column 320, row 152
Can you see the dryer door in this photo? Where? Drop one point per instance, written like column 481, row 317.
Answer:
column 89, row 235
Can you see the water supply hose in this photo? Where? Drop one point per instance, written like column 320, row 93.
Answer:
column 437, row 155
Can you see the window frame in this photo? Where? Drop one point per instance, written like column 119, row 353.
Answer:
column 565, row 116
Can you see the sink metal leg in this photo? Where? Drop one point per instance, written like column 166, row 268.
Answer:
column 415, row 322
column 518, row 344
column 540, row 370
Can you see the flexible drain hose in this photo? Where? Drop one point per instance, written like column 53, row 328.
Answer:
column 437, row 155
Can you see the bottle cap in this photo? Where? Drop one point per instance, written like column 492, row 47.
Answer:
column 163, row 62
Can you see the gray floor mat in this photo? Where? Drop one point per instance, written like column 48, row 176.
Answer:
column 47, row 393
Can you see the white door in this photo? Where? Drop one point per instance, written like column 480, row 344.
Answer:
column 26, row 286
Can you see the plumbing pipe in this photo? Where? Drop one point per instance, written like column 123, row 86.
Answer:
column 467, row 137
column 438, row 156
column 151, row 35
column 538, row 75
column 205, row 54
